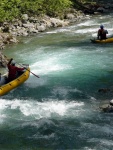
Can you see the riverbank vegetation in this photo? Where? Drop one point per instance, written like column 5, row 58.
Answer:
column 15, row 8
column 23, row 18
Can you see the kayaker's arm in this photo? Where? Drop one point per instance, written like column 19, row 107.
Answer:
column 10, row 61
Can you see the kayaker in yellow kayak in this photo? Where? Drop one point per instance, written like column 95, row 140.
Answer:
column 12, row 70
column 102, row 33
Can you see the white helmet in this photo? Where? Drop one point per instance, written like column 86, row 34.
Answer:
column 13, row 63
column 111, row 102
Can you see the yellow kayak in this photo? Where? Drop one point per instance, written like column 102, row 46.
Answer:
column 7, row 87
column 108, row 40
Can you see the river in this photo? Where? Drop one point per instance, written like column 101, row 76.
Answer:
column 60, row 110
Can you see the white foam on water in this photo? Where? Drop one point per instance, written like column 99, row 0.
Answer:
column 37, row 110
column 49, row 65
column 87, row 23
column 34, row 82
column 83, row 31
column 59, row 30
column 48, row 109
column 101, row 142
column 87, row 148
column 107, row 142
column 64, row 91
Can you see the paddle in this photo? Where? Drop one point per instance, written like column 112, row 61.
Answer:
column 34, row 74
column 29, row 71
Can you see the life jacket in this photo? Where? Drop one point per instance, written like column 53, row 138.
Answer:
column 102, row 33
column 13, row 72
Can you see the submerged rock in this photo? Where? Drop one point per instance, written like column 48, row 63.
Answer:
column 107, row 107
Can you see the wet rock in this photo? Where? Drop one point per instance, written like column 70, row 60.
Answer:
column 28, row 25
column 25, row 18
column 41, row 28
column 69, row 16
column 3, row 60
column 58, row 23
column 33, row 20
column 7, row 38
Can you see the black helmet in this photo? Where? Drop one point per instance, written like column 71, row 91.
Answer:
column 101, row 26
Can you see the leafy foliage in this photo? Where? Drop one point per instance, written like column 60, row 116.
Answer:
column 53, row 7
column 10, row 9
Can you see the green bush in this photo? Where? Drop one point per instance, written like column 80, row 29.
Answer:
column 10, row 9
column 53, row 7
column 15, row 8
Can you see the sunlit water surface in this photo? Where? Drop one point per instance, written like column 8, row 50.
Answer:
column 60, row 110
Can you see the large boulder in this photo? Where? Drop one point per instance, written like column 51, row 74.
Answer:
column 41, row 28
column 25, row 18
column 69, row 16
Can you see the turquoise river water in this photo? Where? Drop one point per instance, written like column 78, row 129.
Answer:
column 60, row 110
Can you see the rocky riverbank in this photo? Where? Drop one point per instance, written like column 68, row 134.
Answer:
column 28, row 25
column 34, row 25
column 3, row 60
